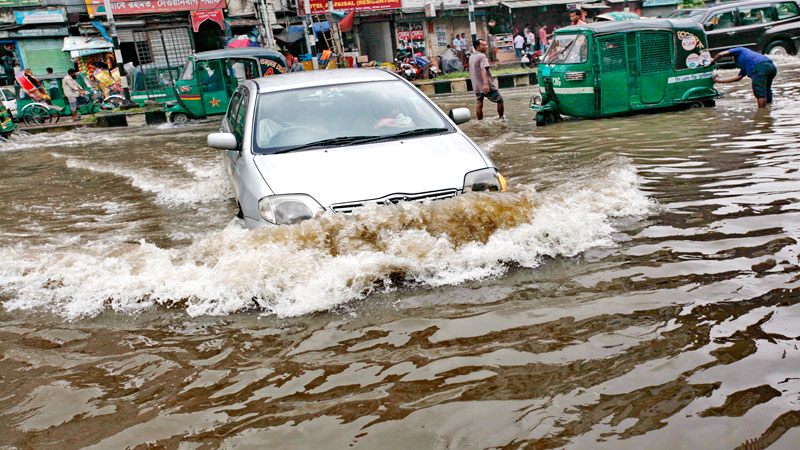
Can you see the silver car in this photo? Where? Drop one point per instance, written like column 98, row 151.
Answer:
column 301, row 144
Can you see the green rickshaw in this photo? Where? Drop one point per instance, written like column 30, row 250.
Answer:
column 40, row 111
column 7, row 125
column 209, row 78
column 612, row 68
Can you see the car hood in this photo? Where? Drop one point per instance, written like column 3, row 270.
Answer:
column 372, row 171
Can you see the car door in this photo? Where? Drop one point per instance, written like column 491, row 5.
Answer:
column 234, row 123
column 753, row 22
column 720, row 28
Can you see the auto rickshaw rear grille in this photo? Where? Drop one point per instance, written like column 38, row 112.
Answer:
column 654, row 51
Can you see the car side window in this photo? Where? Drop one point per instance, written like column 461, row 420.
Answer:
column 237, row 125
column 787, row 10
column 233, row 109
column 755, row 15
column 722, row 20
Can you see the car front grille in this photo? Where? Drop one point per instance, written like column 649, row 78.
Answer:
column 393, row 199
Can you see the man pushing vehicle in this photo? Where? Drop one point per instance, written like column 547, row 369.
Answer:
column 758, row 67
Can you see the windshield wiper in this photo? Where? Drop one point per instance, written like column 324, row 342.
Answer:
column 417, row 132
column 341, row 140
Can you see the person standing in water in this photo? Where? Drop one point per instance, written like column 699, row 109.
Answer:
column 758, row 67
column 482, row 83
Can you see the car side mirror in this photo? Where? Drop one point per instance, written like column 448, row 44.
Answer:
column 708, row 26
column 222, row 141
column 460, row 115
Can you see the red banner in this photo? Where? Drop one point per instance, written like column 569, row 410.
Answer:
column 96, row 8
column 198, row 17
column 321, row 6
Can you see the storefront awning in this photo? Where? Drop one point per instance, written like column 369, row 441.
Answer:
column 594, row 6
column 517, row 4
column 82, row 45
column 295, row 32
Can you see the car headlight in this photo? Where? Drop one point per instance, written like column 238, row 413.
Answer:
column 488, row 179
column 289, row 209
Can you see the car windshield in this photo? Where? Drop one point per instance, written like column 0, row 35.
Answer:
column 187, row 73
column 686, row 14
column 346, row 114
column 567, row 49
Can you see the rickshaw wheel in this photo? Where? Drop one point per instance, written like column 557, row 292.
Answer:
column 179, row 118
column 37, row 115
column 696, row 105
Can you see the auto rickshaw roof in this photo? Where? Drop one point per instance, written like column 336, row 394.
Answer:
column 254, row 52
column 608, row 27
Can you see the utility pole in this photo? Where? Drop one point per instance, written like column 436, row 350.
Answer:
column 472, row 29
column 264, row 10
column 118, row 54
column 310, row 39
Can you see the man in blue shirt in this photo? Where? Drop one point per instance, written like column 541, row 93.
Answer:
column 758, row 67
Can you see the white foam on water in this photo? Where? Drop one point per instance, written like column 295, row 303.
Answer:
column 206, row 185
column 320, row 264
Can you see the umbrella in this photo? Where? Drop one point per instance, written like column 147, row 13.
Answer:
column 240, row 41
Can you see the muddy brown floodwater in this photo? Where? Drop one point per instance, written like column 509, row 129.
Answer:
column 638, row 287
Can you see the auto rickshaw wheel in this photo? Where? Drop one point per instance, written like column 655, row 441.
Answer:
column 179, row 118
column 709, row 103
column 696, row 105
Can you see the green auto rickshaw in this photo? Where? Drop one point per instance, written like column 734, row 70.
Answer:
column 209, row 78
column 154, row 82
column 612, row 68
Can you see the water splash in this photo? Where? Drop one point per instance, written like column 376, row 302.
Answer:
column 321, row 264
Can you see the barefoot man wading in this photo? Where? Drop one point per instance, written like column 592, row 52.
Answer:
column 482, row 82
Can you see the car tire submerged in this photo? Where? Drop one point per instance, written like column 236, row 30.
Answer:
column 778, row 48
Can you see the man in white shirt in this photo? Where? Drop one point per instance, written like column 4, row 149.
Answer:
column 519, row 43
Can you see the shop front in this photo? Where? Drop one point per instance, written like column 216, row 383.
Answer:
column 34, row 42
column 374, row 33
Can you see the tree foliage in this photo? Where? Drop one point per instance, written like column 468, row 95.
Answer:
column 691, row 4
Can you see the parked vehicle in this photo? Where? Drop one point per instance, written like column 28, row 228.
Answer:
column 9, row 100
column 209, row 79
column 307, row 143
column 610, row 68
column 7, row 125
column 770, row 27
column 531, row 58
column 39, row 111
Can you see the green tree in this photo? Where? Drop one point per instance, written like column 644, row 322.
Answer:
column 691, row 4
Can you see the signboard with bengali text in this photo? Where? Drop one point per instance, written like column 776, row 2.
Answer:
column 321, row 6
column 96, row 8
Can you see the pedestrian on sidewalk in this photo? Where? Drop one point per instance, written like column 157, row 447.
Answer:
column 575, row 18
column 480, row 74
column 758, row 67
column 543, row 38
column 74, row 93
column 519, row 44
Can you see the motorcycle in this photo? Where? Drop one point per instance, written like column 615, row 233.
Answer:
column 530, row 58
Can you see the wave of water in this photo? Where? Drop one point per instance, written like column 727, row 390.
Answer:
column 321, row 264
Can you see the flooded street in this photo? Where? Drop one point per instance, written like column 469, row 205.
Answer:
column 637, row 287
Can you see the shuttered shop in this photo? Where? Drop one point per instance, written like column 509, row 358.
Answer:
column 39, row 54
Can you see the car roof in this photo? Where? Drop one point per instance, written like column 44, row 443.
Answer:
column 606, row 27
column 727, row 5
column 312, row 78
column 256, row 52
